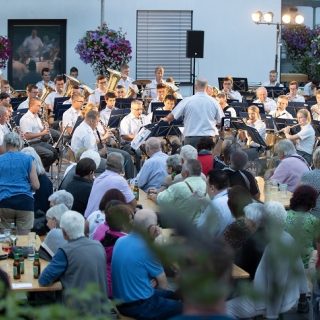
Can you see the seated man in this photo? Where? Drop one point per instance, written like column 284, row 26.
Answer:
column 293, row 95
column 133, row 267
column 153, row 171
column 78, row 264
column 227, row 89
column 273, row 82
column 281, row 111
column 217, row 216
column 187, row 197
column 291, row 167
column 110, row 99
column 262, row 97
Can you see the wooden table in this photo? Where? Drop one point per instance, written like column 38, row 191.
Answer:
column 147, row 203
column 274, row 196
column 27, row 282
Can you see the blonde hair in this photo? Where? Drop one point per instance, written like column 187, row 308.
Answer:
column 306, row 114
column 89, row 106
column 255, row 109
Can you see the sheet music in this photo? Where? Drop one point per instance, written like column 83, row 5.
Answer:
column 141, row 137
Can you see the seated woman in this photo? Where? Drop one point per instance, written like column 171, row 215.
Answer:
column 119, row 219
column 300, row 222
column 97, row 221
column 18, row 179
column 305, row 138
column 205, row 156
column 54, row 239
column 174, row 167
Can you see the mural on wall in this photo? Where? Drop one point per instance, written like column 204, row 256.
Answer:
column 36, row 44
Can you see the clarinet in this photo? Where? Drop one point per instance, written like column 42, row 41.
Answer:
column 17, row 129
column 106, row 128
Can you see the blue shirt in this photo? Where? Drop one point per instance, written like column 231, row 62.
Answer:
column 153, row 172
column 132, row 268
column 55, row 269
column 15, row 168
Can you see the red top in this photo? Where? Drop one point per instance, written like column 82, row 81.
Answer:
column 207, row 161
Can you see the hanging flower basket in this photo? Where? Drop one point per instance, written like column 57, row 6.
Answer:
column 104, row 48
column 5, row 51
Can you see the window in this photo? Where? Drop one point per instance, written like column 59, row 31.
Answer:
column 162, row 40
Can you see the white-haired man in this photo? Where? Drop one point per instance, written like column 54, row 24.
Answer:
column 110, row 179
column 78, row 264
column 154, row 170
column 133, row 267
column 201, row 114
column 61, row 196
column 262, row 97
column 291, row 167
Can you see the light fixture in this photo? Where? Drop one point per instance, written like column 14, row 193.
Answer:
column 256, row 16
column 268, row 17
column 299, row 19
column 286, row 18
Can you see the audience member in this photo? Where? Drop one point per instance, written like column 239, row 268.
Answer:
column 133, row 266
column 205, row 156
column 174, row 167
column 61, row 196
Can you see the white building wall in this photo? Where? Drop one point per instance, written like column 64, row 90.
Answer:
column 233, row 44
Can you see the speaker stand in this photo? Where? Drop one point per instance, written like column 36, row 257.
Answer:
column 193, row 74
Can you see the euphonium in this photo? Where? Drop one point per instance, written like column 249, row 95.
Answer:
column 114, row 77
column 71, row 82
column 44, row 110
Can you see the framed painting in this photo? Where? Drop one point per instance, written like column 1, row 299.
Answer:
column 36, row 44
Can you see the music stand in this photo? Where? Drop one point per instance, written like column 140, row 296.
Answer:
column 116, row 116
column 270, row 123
column 59, row 100
column 16, row 101
column 275, row 92
column 239, row 84
column 282, row 123
column 316, row 127
column 165, row 129
column 300, row 105
column 156, row 105
column 17, row 115
column 255, row 136
column 102, row 103
column 259, row 105
column 238, row 124
column 59, row 110
column 246, row 115
column 123, row 103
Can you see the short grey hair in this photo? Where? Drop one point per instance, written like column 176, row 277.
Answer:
column 13, row 139
column 145, row 218
column 92, row 154
column 153, row 144
column 193, row 167
column 37, row 161
column 316, row 158
column 238, row 160
column 56, row 212
column 72, row 223
column 115, row 162
column 188, row 152
column 261, row 89
column 255, row 212
column 174, row 161
column 285, row 147
column 275, row 213
column 62, row 196
column 201, row 83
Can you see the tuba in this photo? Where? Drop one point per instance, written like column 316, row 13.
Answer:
column 114, row 77
column 71, row 82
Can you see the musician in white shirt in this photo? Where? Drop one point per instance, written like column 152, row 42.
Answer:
column 130, row 126
column 281, row 111
column 222, row 100
column 32, row 92
column 161, row 93
column 99, row 91
column 262, row 97
column 4, row 118
column 273, row 82
column 151, row 88
column 315, row 109
column 110, row 99
column 227, row 89
column 70, row 116
column 305, row 138
column 59, row 85
column 45, row 74
column 293, row 95
column 126, row 81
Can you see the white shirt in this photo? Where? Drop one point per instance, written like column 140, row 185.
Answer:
column 105, row 115
column 1, row 137
column 282, row 114
column 315, row 115
column 67, row 101
column 24, row 104
column 5, row 128
column 70, row 117
column 150, row 104
column 269, row 84
column 201, row 114
column 31, row 123
column 232, row 111
column 127, row 83
column 217, row 216
column 131, row 125
column 83, row 138
column 306, row 139
column 235, row 95
column 151, row 89
column 50, row 98
column 269, row 104
column 296, row 98
column 41, row 86
column 95, row 97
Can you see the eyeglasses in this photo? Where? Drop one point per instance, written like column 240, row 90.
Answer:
column 102, row 82
column 140, row 109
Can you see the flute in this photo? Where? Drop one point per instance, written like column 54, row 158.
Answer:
column 290, row 127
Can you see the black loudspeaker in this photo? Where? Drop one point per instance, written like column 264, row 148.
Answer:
column 195, row 41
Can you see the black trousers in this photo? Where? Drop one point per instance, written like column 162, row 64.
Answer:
column 46, row 152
